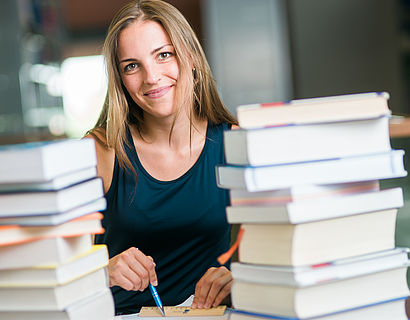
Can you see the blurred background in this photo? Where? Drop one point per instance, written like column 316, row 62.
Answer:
column 52, row 77
column 53, row 83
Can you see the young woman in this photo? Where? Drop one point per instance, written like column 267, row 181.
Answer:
column 159, row 138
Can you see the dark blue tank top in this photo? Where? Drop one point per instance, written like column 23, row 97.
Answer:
column 180, row 223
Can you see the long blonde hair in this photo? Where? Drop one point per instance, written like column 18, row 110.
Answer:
column 195, row 85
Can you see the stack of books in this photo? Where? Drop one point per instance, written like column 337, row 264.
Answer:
column 50, row 198
column 317, row 238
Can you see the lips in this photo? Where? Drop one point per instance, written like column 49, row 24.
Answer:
column 158, row 92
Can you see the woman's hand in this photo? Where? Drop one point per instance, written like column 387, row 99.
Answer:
column 212, row 288
column 132, row 270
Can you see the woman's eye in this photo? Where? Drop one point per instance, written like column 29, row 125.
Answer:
column 130, row 67
column 164, row 55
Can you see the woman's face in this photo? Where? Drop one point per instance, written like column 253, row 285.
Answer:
column 148, row 66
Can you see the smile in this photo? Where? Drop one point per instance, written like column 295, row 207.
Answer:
column 158, row 93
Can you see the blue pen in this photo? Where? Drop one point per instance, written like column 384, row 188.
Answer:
column 157, row 299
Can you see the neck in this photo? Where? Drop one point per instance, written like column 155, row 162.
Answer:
column 158, row 130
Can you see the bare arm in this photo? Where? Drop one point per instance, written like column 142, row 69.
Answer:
column 105, row 161
column 130, row 269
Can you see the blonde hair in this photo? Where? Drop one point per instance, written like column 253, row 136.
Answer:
column 195, row 85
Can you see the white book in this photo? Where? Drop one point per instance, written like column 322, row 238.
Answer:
column 335, row 270
column 56, row 183
column 314, row 110
column 318, row 241
column 88, row 224
column 97, row 306
column 47, row 275
column 390, row 309
column 54, row 219
column 43, row 161
column 54, row 297
column 323, row 299
column 350, row 169
column 243, row 197
column 50, row 202
column 298, row 143
column 316, row 209
column 43, row 251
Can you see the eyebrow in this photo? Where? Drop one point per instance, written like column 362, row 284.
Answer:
column 152, row 52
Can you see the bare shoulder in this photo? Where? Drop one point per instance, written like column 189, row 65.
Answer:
column 105, row 158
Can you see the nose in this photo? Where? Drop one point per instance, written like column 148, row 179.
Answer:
column 152, row 74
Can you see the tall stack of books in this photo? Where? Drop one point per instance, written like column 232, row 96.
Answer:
column 50, row 198
column 317, row 232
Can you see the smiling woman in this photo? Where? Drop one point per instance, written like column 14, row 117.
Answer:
column 149, row 69
column 159, row 138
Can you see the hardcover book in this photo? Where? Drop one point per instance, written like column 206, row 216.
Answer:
column 314, row 110
column 350, row 169
column 299, row 143
column 319, row 241
column 43, row 161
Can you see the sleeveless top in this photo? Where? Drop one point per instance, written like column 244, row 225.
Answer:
column 180, row 223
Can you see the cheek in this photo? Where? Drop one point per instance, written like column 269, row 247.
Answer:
column 174, row 71
column 132, row 84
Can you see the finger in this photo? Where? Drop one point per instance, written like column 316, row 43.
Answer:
column 120, row 273
column 226, row 290
column 148, row 268
column 202, row 288
column 153, row 275
column 220, row 281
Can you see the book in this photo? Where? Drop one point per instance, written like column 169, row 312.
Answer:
column 97, row 306
column 316, row 209
column 242, row 197
column 319, row 241
column 314, row 110
column 307, row 142
column 302, row 276
column 43, row 251
column 47, row 275
column 358, row 168
column 45, row 160
column 317, row 300
column 56, row 218
column 390, row 309
column 13, row 234
column 56, row 183
column 53, row 297
column 48, row 202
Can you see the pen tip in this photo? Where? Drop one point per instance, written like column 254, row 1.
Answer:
column 162, row 311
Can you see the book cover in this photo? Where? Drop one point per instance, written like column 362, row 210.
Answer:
column 53, row 297
column 56, row 183
column 88, row 224
column 54, row 219
column 43, row 161
column 319, row 241
column 316, row 209
column 46, row 275
column 53, row 250
column 389, row 309
column 96, row 306
column 299, row 143
column 50, row 202
column 349, row 169
column 314, row 110
column 302, row 276
column 336, row 296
